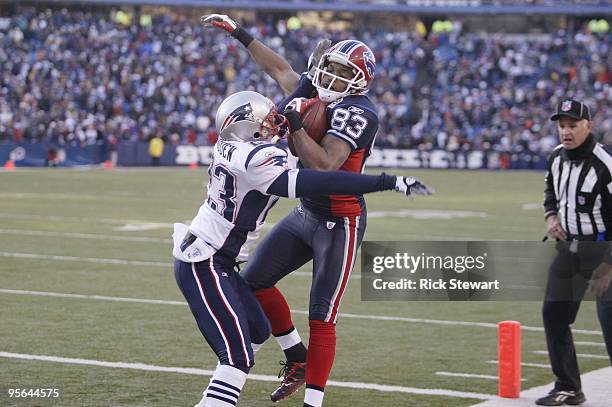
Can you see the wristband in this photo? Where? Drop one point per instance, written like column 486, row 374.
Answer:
column 243, row 36
column 388, row 182
column 294, row 120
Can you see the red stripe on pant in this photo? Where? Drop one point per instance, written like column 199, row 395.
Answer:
column 348, row 265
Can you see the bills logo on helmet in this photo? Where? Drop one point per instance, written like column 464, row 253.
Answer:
column 244, row 112
column 370, row 62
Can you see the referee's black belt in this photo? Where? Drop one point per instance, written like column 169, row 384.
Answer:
column 587, row 238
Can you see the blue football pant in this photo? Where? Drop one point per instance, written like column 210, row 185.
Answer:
column 300, row 237
column 226, row 311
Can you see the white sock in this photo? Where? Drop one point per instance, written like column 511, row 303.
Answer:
column 313, row 397
column 289, row 340
column 224, row 387
column 256, row 347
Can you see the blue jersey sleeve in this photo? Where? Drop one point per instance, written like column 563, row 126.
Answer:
column 352, row 121
column 304, row 90
column 305, row 182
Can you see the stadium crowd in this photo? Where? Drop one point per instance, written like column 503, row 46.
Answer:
column 445, row 3
column 76, row 77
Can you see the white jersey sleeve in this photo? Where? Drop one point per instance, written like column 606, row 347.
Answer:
column 264, row 165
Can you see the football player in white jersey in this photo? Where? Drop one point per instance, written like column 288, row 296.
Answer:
column 342, row 75
column 247, row 175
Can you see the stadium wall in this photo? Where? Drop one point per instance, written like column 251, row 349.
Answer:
column 136, row 154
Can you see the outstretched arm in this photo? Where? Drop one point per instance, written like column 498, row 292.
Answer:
column 272, row 63
column 306, row 182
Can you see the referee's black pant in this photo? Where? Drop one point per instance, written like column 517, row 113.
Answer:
column 568, row 279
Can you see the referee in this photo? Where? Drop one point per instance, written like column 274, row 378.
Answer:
column 578, row 213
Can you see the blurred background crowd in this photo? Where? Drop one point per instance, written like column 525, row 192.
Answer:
column 77, row 76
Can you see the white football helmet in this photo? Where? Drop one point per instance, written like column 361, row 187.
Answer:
column 352, row 54
column 248, row 116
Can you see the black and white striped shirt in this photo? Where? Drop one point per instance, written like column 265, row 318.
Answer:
column 579, row 189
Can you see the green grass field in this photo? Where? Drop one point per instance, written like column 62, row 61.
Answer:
column 107, row 234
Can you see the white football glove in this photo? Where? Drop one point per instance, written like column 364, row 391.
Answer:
column 411, row 186
column 220, row 21
column 314, row 58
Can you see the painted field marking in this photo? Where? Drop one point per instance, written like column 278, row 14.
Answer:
column 583, row 343
column 263, row 378
column 142, row 227
column 595, row 384
column 580, row 355
column 538, row 365
column 29, row 232
column 86, row 259
column 61, row 196
column 122, row 262
column 427, row 214
column 79, row 219
column 301, row 312
column 471, row 376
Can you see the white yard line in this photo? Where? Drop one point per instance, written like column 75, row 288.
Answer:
column 595, row 384
column 256, row 377
column 580, row 355
column 27, row 232
column 426, row 214
column 538, row 365
column 86, row 259
column 80, row 219
column 123, row 262
column 60, row 196
column 470, row 375
column 91, row 297
column 302, row 312
column 599, row 344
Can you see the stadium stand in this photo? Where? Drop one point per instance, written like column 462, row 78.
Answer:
column 77, row 76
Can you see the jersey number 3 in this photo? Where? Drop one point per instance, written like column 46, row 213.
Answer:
column 222, row 192
column 342, row 118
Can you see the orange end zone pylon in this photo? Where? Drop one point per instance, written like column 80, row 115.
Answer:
column 509, row 359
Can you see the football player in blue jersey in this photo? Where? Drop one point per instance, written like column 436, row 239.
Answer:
column 247, row 175
column 327, row 229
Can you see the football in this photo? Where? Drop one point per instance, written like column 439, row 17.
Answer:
column 314, row 120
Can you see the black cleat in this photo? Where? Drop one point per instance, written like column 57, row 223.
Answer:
column 294, row 376
column 562, row 397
